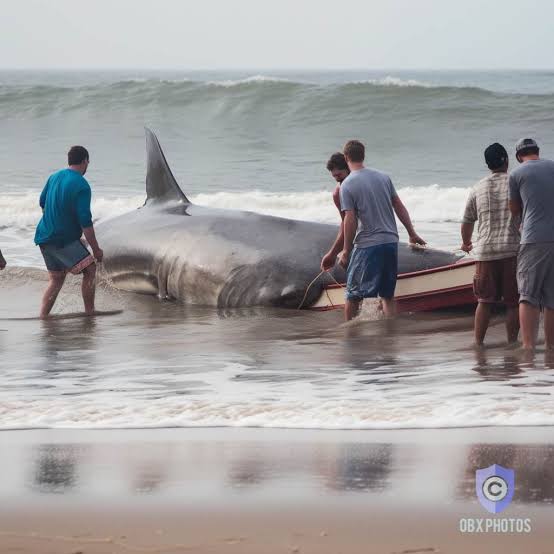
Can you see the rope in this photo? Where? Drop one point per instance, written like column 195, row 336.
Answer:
column 312, row 283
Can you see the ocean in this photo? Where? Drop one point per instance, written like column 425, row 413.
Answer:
column 259, row 141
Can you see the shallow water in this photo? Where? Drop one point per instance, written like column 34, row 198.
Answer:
column 164, row 364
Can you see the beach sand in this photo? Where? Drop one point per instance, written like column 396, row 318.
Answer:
column 267, row 491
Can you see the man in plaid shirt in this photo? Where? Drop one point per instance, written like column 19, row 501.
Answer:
column 496, row 247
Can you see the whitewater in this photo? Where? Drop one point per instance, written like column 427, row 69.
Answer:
column 433, row 209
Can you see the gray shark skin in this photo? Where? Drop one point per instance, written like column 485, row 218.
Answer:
column 224, row 258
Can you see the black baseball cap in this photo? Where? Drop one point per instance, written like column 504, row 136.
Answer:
column 495, row 156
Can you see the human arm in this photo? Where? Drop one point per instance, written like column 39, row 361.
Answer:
column 42, row 200
column 515, row 203
column 2, row 261
column 467, row 233
column 350, row 225
column 516, row 208
column 84, row 217
column 90, row 235
column 468, row 222
column 404, row 217
column 330, row 257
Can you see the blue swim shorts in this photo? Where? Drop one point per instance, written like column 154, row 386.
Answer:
column 372, row 272
column 72, row 257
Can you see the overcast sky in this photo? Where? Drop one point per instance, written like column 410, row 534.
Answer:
column 226, row 34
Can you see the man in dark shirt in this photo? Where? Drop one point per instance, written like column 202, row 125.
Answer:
column 65, row 202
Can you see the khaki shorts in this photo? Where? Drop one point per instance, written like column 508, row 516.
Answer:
column 535, row 274
column 495, row 281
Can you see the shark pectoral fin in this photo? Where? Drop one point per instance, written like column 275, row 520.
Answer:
column 267, row 283
column 161, row 185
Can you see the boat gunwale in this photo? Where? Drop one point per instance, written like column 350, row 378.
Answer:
column 439, row 269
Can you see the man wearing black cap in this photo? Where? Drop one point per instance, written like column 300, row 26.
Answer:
column 496, row 246
column 532, row 196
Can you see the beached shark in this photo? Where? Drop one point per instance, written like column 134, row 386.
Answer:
column 225, row 258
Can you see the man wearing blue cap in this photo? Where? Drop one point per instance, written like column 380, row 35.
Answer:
column 532, row 197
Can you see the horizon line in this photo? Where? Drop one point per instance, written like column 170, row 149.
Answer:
column 280, row 68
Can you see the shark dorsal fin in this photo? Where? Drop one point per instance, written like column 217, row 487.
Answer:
column 161, row 186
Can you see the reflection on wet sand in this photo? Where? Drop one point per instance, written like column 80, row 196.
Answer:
column 344, row 467
column 148, row 479
column 180, row 468
column 533, row 466
column 55, row 468
column 362, row 468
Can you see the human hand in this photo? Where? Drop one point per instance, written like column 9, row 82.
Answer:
column 343, row 259
column 467, row 247
column 415, row 239
column 328, row 261
column 98, row 254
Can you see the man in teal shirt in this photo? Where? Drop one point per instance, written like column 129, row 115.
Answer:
column 66, row 216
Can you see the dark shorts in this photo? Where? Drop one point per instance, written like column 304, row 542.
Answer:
column 496, row 281
column 72, row 257
column 535, row 274
column 372, row 272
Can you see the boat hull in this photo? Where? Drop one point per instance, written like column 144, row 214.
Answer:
column 431, row 289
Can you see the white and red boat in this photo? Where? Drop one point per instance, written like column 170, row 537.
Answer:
column 431, row 289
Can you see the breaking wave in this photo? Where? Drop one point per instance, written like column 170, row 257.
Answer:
column 426, row 204
column 134, row 93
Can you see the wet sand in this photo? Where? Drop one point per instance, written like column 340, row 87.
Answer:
column 267, row 491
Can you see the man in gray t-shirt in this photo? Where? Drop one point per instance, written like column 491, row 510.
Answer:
column 370, row 193
column 532, row 196
column 369, row 201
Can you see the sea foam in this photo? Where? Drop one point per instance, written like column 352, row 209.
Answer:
column 431, row 203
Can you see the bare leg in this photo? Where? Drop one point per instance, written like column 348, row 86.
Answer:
column 482, row 320
column 549, row 328
column 512, row 323
column 88, row 288
column 351, row 309
column 55, row 284
column 389, row 307
column 529, row 320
